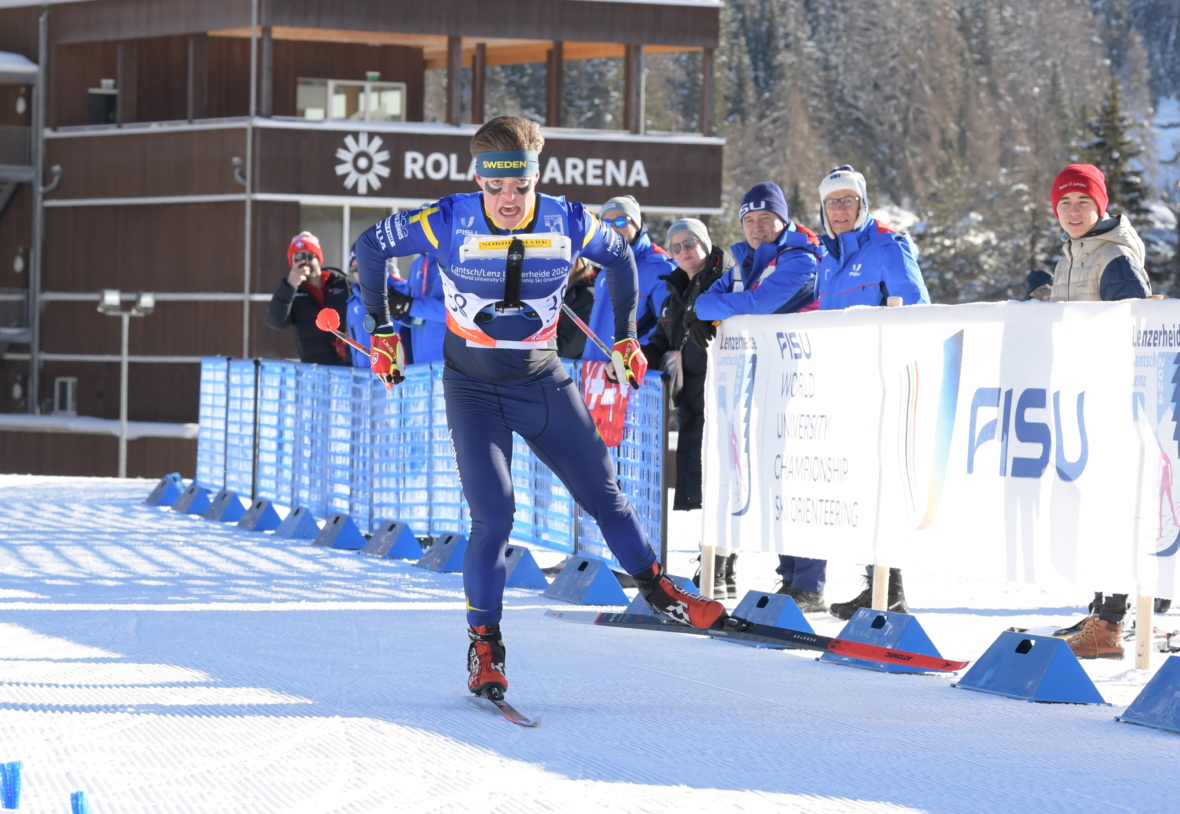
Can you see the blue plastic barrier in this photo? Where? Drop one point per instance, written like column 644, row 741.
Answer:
column 261, row 516
column 167, row 491
column 211, row 411
column 334, row 440
column 10, row 783
column 898, row 631
column 194, row 500
column 225, row 507
column 522, row 571
column 340, row 532
column 446, row 554
column 298, row 525
column 1158, row 704
column 240, row 427
column 393, row 540
column 1032, row 668
column 586, row 581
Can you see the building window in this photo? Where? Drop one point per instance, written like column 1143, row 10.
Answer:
column 344, row 99
column 65, row 393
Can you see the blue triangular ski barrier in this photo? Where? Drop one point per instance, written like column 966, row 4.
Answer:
column 1032, row 668
column 298, row 525
column 1158, row 704
column 776, row 610
column 446, row 554
column 340, row 532
column 585, row 581
column 225, row 507
column 523, row 571
column 166, row 491
column 898, row 631
column 261, row 516
column 194, row 500
column 639, row 604
column 393, row 540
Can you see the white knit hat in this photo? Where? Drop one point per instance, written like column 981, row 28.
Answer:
column 693, row 227
column 843, row 177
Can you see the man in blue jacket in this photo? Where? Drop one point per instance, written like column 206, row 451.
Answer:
column 774, row 274
column 867, row 263
column 653, row 263
column 418, row 303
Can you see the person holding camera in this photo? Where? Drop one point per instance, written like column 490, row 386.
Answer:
column 307, row 289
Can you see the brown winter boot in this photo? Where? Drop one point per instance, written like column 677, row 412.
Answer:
column 1098, row 640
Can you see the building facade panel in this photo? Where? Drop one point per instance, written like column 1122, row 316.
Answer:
column 156, row 391
column 94, row 456
column 193, row 247
column 144, row 163
column 175, row 328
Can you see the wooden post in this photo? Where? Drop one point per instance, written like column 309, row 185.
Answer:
column 706, row 91
column 266, row 74
column 479, row 71
column 880, row 587
column 198, row 77
column 708, row 557
column 553, row 85
column 125, row 68
column 633, row 95
column 454, row 80
column 1144, row 623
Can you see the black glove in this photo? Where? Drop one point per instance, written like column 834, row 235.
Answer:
column 399, row 304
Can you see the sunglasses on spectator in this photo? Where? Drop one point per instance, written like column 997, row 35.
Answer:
column 302, row 258
column 497, row 188
column 618, row 223
column 688, row 245
column 842, row 203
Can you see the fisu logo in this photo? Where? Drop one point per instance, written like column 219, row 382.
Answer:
column 855, row 270
column 467, row 221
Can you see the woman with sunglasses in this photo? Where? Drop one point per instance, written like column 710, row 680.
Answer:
column 505, row 253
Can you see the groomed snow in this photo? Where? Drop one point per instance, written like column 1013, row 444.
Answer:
column 162, row 663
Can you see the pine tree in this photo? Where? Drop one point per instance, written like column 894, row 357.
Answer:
column 1113, row 149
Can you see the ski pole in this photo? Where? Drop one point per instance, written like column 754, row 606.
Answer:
column 328, row 320
column 618, row 368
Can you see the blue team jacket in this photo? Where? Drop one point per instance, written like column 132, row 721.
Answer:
column 652, row 263
column 777, row 278
column 867, row 265
column 428, row 323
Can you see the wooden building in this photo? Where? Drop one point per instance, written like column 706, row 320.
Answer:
column 134, row 117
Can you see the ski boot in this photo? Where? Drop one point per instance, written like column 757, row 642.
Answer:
column 485, row 662
column 669, row 599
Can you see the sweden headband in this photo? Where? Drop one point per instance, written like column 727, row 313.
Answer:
column 508, row 163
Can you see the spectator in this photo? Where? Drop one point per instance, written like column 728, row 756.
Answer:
column 579, row 296
column 302, row 294
column 417, row 302
column 1102, row 260
column 867, row 263
column 699, row 265
column 1040, row 285
column 622, row 214
column 398, row 290
column 774, row 274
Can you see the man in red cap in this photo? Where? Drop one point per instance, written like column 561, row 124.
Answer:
column 1103, row 257
column 1102, row 260
column 302, row 294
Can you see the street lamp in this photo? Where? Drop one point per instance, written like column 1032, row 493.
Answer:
column 110, row 303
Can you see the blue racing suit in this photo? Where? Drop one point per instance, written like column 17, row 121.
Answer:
column 502, row 371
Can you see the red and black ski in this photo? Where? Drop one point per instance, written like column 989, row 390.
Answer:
column 495, row 701
column 742, row 630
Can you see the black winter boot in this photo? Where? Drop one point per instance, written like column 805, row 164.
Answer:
column 896, row 602
column 731, row 576
column 718, row 577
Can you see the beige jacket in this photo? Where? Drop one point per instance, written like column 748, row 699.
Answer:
column 1078, row 276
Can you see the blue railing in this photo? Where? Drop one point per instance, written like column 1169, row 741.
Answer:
column 333, row 439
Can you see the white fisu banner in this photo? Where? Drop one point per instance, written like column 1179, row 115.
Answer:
column 1023, row 441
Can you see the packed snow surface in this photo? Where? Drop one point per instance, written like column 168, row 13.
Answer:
column 162, row 663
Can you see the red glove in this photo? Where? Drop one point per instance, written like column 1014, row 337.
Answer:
column 629, row 361
column 387, row 358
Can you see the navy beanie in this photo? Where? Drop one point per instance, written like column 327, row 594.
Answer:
column 766, row 196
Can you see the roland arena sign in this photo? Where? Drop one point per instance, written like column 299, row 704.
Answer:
column 679, row 173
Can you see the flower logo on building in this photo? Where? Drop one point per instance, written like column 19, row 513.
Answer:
column 363, row 161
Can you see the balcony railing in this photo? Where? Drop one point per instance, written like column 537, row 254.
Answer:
column 16, row 146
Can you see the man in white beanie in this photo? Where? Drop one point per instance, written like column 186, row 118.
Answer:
column 653, row 263
column 867, row 262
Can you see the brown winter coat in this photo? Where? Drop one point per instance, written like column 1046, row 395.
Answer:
column 1082, row 273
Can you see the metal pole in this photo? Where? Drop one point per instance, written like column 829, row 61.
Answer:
column 126, row 315
column 665, row 401
column 249, row 177
column 34, row 301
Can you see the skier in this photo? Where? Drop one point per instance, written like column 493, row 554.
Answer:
column 503, row 299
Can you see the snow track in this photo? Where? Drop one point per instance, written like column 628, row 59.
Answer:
column 165, row 664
